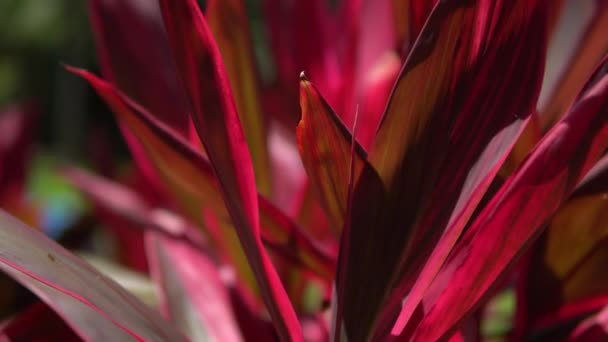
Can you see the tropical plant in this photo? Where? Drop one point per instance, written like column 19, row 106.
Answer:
column 431, row 177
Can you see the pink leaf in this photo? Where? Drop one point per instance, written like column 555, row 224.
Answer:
column 217, row 123
column 94, row 306
column 193, row 292
column 518, row 212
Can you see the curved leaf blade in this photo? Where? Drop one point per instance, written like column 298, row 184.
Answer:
column 134, row 55
column 194, row 294
column 565, row 267
column 518, row 212
column 92, row 304
column 573, row 58
column 325, row 148
column 593, row 329
column 216, row 120
column 235, row 46
column 447, row 129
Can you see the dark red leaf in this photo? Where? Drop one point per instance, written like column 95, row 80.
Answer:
column 447, row 129
column 214, row 115
column 518, row 212
column 175, row 161
column 37, row 323
column 594, row 329
column 134, row 55
column 325, row 148
column 235, row 46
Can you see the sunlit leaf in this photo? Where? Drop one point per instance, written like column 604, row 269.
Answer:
column 216, row 120
column 447, row 129
column 235, row 46
column 518, row 212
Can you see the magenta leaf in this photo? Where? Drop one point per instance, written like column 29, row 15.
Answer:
column 134, row 55
column 593, row 329
column 215, row 118
column 446, row 131
column 127, row 204
column 93, row 305
column 277, row 227
column 194, row 295
column 519, row 211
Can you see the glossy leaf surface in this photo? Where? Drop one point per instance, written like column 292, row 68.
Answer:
column 565, row 278
column 516, row 215
column 446, row 131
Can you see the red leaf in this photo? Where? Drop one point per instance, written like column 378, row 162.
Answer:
column 134, row 55
column 235, row 46
column 577, row 46
column 565, row 274
column 518, row 212
column 410, row 16
column 37, row 323
column 183, row 168
column 217, row 123
column 446, row 131
column 550, row 324
column 325, row 147
column 131, row 207
column 594, row 329
column 94, row 306
column 193, row 292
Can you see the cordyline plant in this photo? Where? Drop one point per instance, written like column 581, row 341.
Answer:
column 431, row 175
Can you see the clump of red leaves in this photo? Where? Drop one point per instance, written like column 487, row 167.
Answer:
column 428, row 167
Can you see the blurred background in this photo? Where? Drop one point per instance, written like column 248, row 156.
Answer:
column 36, row 37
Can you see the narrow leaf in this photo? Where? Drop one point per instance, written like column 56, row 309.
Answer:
column 325, row 144
column 593, row 329
column 566, row 264
column 134, row 55
column 516, row 215
column 193, row 291
column 577, row 46
column 215, row 118
column 235, row 46
column 447, row 129
column 190, row 180
column 94, row 306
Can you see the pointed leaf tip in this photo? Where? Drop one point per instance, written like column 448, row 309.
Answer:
column 325, row 148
